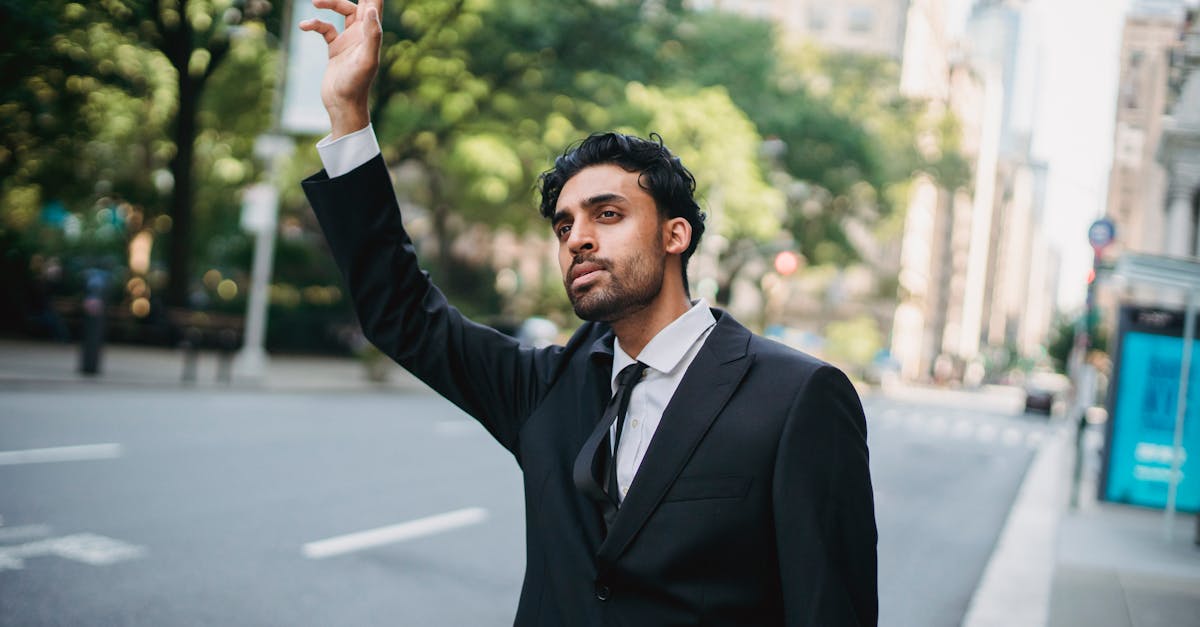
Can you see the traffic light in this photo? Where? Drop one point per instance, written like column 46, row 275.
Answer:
column 786, row 262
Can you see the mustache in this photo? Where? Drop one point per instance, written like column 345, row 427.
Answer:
column 580, row 259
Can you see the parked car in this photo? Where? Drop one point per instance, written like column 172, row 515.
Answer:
column 1043, row 389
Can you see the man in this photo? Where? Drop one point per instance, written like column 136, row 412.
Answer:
column 678, row 470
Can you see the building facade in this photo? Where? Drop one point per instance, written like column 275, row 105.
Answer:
column 1137, row 182
column 977, row 272
column 867, row 26
column 1154, row 183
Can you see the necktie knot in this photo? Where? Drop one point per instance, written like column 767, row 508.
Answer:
column 630, row 374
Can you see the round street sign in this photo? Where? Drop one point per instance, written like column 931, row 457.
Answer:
column 1101, row 233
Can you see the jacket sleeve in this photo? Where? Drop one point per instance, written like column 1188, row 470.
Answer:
column 479, row 369
column 824, row 508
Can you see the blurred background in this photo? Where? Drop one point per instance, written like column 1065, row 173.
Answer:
column 986, row 211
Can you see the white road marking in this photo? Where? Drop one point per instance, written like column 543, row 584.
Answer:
column 372, row 538
column 85, row 452
column 455, row 428
column 24, row 532
column 962, row 429
column 89, row 548
column 987, row 433
column 1011, row 436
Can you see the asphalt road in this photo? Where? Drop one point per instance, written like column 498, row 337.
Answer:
column 185, row 507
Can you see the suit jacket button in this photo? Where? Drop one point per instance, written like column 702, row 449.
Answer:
column 602, row 592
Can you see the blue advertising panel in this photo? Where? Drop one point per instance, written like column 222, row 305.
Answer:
column 1143, row 408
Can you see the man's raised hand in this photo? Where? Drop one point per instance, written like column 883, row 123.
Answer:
column 353, row 61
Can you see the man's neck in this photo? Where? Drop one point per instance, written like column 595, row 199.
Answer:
column 637, row 329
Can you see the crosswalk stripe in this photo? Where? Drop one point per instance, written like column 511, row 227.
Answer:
column 85, row 452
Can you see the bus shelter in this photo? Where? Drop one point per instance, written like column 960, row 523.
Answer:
column 1152, row 425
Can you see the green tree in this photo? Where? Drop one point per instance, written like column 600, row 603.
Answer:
column 71, row 87
column 90, row 134
column 196, row 38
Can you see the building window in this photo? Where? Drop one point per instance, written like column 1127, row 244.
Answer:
column 861, row 19
column 1132, row 83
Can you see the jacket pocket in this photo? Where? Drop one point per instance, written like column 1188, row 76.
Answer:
column 699, row 488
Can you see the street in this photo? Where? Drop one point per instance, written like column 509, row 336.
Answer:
column 194, row 507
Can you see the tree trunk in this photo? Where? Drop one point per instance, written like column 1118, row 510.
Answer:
column 732, row 264
column 183, row 194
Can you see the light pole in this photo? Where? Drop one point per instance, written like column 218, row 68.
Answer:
column 297, row 110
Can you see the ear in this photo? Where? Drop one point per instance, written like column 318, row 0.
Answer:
column 677, row 235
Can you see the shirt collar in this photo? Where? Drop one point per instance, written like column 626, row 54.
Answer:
column 666, row 349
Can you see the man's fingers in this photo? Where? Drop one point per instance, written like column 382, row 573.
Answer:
column 373, row 29
column 325, row 28
column 364, row 6
column 345, row 7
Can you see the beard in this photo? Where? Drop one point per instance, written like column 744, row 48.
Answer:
column 631, row 286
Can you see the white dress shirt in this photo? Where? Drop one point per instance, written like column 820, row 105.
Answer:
column 668, row 356
column 341, row 155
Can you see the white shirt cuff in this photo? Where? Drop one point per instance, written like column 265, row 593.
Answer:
column 341, row 155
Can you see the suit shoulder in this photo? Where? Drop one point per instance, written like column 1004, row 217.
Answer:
column 773, row 359
column 781, row 355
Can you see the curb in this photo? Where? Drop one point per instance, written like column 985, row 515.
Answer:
column 1016, row 584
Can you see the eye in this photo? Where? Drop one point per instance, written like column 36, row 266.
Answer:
column 562, row 230
column 608, row 213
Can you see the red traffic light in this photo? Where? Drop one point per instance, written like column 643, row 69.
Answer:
column 786, row 262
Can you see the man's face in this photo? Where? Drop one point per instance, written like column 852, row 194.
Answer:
column 610, row 243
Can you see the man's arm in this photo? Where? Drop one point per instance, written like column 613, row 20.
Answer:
column 479, row 369
column 824, row 508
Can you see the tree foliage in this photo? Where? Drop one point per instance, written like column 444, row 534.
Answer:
column 97, row 130
column 155, row 104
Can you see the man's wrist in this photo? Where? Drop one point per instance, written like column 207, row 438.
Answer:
column 344, row 154
column 344, row 122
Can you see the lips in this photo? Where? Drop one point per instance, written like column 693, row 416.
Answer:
column 583, row 272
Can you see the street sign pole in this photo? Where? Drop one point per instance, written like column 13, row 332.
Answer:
column 1101, row 234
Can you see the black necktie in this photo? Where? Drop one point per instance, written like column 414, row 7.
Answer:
column 594, row 458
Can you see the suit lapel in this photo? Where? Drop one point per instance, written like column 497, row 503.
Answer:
column 705, row 389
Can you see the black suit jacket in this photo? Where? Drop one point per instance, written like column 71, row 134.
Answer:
column 752, row 506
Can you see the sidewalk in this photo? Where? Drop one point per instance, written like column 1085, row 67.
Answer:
column 1096, row 565
column 30, row 364
column 1116, row 567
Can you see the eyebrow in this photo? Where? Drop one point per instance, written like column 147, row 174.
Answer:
column 598, row 199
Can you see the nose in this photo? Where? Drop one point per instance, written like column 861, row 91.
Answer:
column 582, row 238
